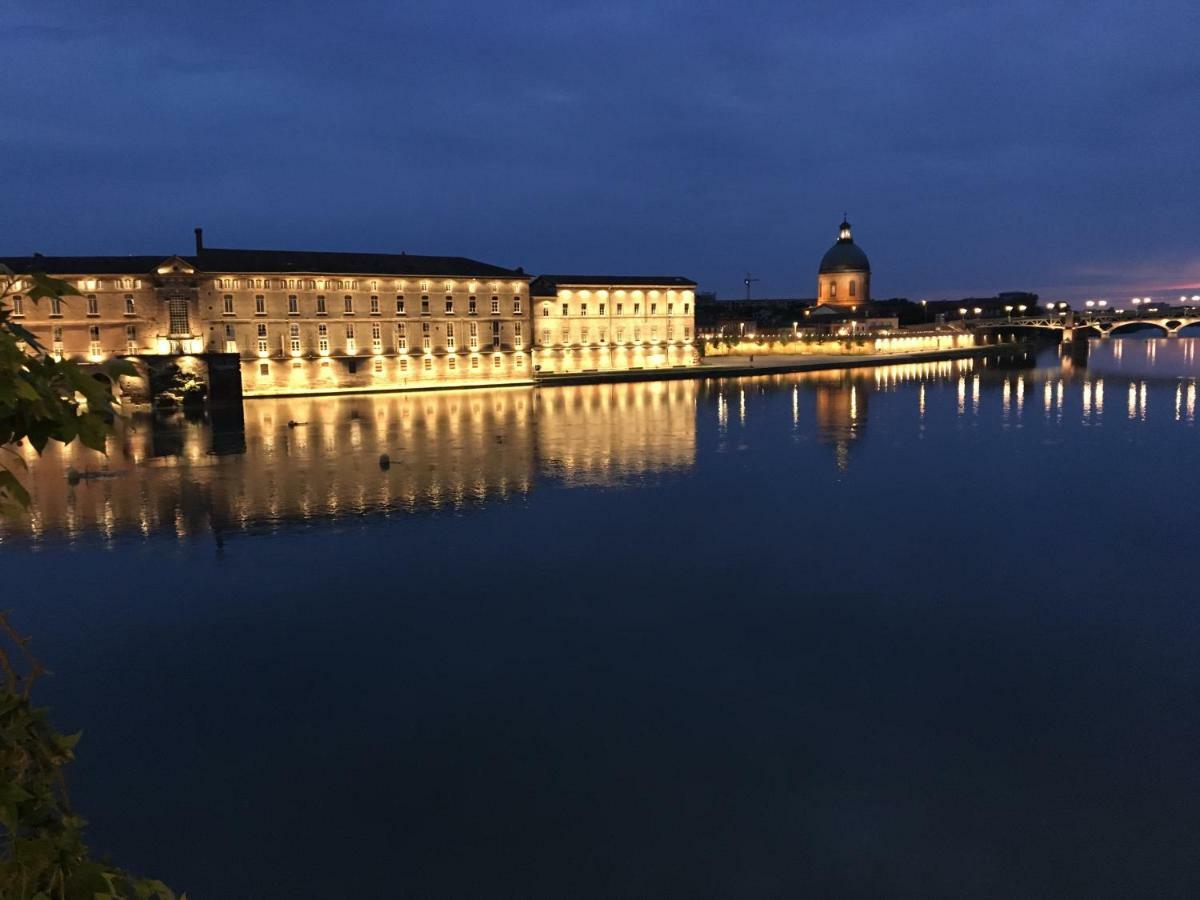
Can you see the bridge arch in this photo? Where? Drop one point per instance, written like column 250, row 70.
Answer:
column 1139, row 325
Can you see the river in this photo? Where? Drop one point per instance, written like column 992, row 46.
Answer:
column 925, row 630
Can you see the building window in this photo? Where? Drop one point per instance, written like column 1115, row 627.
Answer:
column 321, row 309
column 601, row 309
column 637, row 334
column 352, row 366
column 260, row 305
column 603, row 335
column 496, row 361
column 449, row 337
column 294, row 338
column 426, row 340
column 583, row 335
column 264, row 368
column 474, row 335
column 93, row 306
column 177, row 312
column 452, row 363
column 428, row 363
column 496, row 335
column 129, row 308
column 376, row 338
column 545, row 310
column 424, row 287
column 56, row 340
column 399, row 304
column 620, row 335
column 519, row 361
column 516, row 306
column 401, row 337
column 583, row 309
column 404, row 364
column 262, row 339
column 93, row 341
column 620, row 309
column 18, row 305
column 449, row 306
column 495, row 306
column 472, row 306
column 474, row 362
column 293, row 305
column 424, row 304
column 566, row 309
column 518, row 341
column 687, row 332
column 227, row 305
column 545, row 337
column 833, row 289
column 348, row 305
column 230, row 339
column 654, row 334
column 853, row 286
column 686, row 308
column 323, row 339
column 378, row 364
column 351, row 346
column 374, row 304
column 637, row 309
column 131, row 342
column 566, row 335
column 653, row 309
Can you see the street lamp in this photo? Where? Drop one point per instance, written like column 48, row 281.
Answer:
column 925, row 310
column 962, row 312
column 1021, row 308
column 977, row 310
column 1102, row 303
column 1008, row 309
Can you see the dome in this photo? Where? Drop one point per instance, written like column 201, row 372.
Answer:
column 845, row 255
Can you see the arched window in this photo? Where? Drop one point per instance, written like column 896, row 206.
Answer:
column 852, row 291
column 833, row 289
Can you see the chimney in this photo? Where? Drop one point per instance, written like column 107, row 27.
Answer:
column 199, row 241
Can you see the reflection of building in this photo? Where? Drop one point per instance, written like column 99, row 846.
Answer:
column 841, row 413
column 300, row 322
column 306, row 459
column 605, row 433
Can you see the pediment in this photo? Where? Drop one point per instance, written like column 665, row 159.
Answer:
column 175, row 265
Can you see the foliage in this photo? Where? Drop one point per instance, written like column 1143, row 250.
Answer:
column 42, row 852
column 44, row 856
column 43, row 398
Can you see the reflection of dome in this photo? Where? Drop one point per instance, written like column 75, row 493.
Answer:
column 845, row 255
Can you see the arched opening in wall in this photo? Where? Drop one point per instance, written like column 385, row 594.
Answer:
column 1191, row 329
column 1138, row 330
column 832, row 289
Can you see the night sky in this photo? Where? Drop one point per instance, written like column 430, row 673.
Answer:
column 1041, row 146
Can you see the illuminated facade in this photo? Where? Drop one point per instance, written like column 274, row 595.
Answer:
column 844, row 276
column 591, row 323
column 298, row 322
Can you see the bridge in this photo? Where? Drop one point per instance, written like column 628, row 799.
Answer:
column 1074, row 322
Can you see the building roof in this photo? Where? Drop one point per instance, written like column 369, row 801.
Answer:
column 845, row 255
column 83, row 265
column 545, row 285
column 268, row 262
column 299, row 261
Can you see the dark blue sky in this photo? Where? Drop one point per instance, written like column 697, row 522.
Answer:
column 1023, row 145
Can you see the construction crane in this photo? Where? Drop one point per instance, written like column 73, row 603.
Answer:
column 747, row 281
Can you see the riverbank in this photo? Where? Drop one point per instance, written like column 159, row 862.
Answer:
column 738, row 366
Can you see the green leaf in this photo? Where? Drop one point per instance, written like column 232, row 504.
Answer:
column 92, row 431
column 11, row 486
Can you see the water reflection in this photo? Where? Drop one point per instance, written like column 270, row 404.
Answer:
column 276, row 462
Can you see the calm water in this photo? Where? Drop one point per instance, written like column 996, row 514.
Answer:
column 922, row 631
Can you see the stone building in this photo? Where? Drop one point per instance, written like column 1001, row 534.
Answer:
column 319, row 322
column 586, row 323
column 844, row 276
